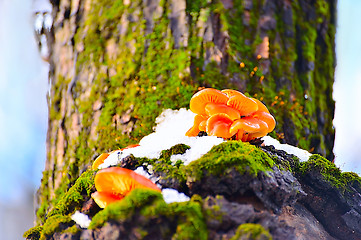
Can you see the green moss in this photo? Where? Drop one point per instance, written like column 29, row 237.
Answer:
column 329, row 171
column 33, row 233
column 75, row 196
column 59, row 218
column 241, row 156
column 54, row 224
column 176, row 149
column 188, row 216
column 122, row 210
column 251, row 231
column 190, row 220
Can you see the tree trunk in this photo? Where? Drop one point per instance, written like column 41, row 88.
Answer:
column 115, row 65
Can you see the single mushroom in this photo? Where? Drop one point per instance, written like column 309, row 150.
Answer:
column 213, row 108
column 267, row 118
column 219, row 125
column 237, row 100
column 99, row 160
column 248, row 128
column 115, row 183
column 205, row 96
column 194, row 130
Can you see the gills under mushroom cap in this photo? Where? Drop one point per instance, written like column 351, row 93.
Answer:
column 213, row 108
column 205, row 96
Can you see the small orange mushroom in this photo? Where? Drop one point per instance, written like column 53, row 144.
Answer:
column 115, row 183
column 240, row 102
column 218, row 125
column 248, row 128
column 205, row 96
column 193, row 131
column 99, row 160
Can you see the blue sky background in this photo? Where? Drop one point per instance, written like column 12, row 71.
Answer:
column 23, row 110
column 24, row 83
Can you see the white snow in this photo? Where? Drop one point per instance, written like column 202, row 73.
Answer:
column 140, row 170
column 81, row 219
column 302, row 154
column 170, row 130
column 171, row 195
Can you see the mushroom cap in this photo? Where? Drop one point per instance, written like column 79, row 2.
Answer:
column 250, row 128
column 248, row 125
column 267, row 118
column 261, row 106
column 207, row 95
column 99, row 160
column 262, row 131
column 218, row 125
column 103, row 199
column 213, row 108
column 194, row 130
column 240, row 102
column 120, row 181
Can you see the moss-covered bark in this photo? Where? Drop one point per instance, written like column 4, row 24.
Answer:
column 116, row 64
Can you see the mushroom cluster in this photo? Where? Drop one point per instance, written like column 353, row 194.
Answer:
column 114, row 183
column 229, row 114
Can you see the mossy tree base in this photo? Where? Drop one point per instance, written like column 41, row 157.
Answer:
column 237, row 191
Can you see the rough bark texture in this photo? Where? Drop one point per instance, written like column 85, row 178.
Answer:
column 115, row 64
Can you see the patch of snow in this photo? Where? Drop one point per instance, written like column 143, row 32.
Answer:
column 140, row 170
column 81, row 219
column 169, row 131
column 302, row 154
column 171, row 195
column 199, row 147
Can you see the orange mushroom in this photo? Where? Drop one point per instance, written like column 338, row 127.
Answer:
column 99, row 160
column 205, row 96
column 267, row 118
column 240, row 102
column 115, row 183
column 218, row 125
column 193, row 131
column 230, row 113
column 248, row 128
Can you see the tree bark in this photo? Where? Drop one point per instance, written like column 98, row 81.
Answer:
column 115, row 65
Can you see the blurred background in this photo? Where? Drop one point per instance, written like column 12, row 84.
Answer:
column 23, row 107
